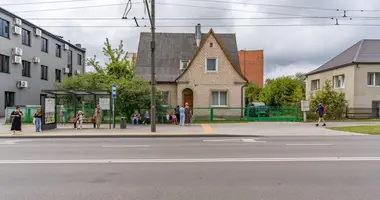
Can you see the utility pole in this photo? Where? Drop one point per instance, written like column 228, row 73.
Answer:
column 153, row 70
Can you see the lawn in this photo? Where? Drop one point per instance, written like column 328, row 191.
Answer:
column 372, row 130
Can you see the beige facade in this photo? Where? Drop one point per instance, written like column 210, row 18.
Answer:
column 357, row 91
column 203, row 83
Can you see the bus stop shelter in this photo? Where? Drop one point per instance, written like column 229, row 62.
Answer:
column 49, row 105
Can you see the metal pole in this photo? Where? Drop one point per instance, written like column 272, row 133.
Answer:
column 153, row 70
column 113, row 112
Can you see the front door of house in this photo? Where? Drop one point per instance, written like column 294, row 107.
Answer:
column 188, row 98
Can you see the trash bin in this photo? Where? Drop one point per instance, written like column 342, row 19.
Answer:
column 123, row 123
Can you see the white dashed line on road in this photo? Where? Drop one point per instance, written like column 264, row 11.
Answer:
column 125, row 146
column 308, row 144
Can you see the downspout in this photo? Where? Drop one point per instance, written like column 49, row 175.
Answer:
column 242, row 101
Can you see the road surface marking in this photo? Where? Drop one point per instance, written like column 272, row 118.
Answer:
column 233, row 140
column 207, row 128
column 308, row 144
column 190, row 160
column 125, row 146
column 12, row 141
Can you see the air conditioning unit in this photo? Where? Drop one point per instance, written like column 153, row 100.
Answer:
column 77, row 71
column 16, row 60
column 37, row 32
column 22, row 84
column 66, row 70
column 17, row 30
column 17, row 51
column 36, row 60
column 66, row 47
column 17, row 21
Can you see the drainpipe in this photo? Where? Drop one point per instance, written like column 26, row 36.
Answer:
column 242, row 101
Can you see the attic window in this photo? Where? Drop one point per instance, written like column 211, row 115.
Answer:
column 183, row 64
column 211, row 44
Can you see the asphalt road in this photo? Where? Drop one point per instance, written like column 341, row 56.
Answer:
column 272, row 168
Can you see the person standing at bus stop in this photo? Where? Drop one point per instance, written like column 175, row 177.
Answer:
column 98, row 115
column 16, row 120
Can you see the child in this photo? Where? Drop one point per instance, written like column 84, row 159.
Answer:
column 174, row 119
column 146, row 118
column 79, row 119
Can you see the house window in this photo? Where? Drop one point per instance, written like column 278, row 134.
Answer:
column 183, row 64
column 211, row 64
column 25, row 68
column 315, row 84
column 219, row 99
column 4, row 64
column 25, row 37
column 4, row 28
column 44, row 45
column 338, row 81
column 58, row 73
column 165, row 98
column 79, row 61
column 58, row 51
column 44, row 72
column 373, row 79
column 9, row 99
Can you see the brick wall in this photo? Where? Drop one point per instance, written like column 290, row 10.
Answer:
column 252, row 65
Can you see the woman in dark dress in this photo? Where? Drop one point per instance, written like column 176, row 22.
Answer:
column 16, row 120
column 188, row 114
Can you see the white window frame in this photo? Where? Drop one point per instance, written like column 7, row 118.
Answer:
column 182, row 61
column 219, row 98
column 216, row 63
column 318, row 85
column 373, row 78
column 168, row 98
column 343, row 84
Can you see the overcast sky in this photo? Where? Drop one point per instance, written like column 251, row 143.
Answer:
column 287, row 49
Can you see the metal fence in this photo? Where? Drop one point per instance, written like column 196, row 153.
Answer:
column 273, row 113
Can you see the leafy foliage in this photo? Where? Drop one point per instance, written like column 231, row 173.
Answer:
column 283, row 91
column 252, row 92
column 333, row 101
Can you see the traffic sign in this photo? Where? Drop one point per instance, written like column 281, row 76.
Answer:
column 113, row 91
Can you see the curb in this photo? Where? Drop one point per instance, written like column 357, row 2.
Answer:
column 127, row 136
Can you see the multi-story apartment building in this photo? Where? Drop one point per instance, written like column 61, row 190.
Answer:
column 32, row 59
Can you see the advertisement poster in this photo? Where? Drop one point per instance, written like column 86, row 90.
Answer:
column 49, row 110
column 104, row 103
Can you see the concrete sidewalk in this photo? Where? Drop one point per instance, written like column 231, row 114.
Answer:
column 254, row 129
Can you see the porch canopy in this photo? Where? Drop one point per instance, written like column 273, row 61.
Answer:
column 74, row 93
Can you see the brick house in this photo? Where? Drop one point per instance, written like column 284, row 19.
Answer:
column 201, row 69
column 252, row 65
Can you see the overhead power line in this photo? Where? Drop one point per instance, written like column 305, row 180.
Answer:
column 42, row 2
column 180, row 18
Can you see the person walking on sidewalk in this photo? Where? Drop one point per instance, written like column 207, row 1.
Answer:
column 188, row 114
column 37, row 120
column 62, row 115
column 321, row 110
column 16, row 120
column 177, row 114
column 182, row 115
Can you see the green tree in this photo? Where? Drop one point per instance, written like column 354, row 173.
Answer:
column 252, row 92
column 283, row 91
column 118, row 63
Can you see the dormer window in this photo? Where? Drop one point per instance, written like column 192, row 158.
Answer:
column 183, row 64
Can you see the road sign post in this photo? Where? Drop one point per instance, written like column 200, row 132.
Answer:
column 305, row 107
column 113, row 103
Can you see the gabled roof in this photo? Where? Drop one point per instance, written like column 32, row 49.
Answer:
column 211, row 33
column 173, row 47
column 365, row 51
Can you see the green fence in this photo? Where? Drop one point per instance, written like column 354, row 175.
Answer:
column 273, row 113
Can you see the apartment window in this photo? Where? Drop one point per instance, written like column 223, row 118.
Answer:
column 4, row 64
column 315, row 84
column 58, row 50
column 44, row 45
column 219, row 99
column 211, row 64
column 338, row 81
column 58, row 74
column 183, row 64
column 44, row 72
column 25, row 37
column 79, row 61
column 4, row 28
column 165, row 98
column 25, row 68
column 373, row 79
column 9, row 99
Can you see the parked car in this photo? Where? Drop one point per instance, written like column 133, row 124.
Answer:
column 258, row 107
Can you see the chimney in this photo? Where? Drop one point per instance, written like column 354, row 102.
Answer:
column 78, row 45
column 198, row 34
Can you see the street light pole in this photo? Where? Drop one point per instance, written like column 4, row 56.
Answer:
column 153, row 70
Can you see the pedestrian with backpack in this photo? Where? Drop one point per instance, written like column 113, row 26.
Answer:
column 321, row 111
